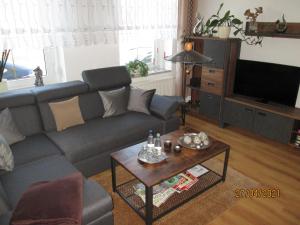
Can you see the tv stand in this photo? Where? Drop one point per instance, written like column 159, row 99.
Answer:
column 272, row 121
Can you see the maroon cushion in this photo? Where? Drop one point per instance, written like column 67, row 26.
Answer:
column 51, row 203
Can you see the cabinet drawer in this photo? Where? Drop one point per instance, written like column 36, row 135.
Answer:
column 213, row 74
column 212, row 80
column 209, row 105
column 239, row 115
column 211, row 87
column 273, row 126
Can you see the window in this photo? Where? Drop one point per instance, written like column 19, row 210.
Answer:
column 22, row 62
column 146, row 31
column 152, row 52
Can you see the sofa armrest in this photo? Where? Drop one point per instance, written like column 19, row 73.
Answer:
column 163, row 106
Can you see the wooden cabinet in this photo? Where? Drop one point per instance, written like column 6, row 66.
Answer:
column 209, row 105
column 261, row 122
column 209, row 96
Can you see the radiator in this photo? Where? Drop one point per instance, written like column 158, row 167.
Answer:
column 164, row 83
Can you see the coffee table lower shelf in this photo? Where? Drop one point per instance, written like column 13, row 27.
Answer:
column 126, row 191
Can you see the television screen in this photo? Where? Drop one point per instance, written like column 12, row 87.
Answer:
column 267, row 82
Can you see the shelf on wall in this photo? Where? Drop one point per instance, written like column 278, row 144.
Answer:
column 268, row 29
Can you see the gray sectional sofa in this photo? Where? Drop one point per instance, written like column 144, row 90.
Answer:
column 46, row 154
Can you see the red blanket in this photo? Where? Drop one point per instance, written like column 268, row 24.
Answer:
column 51, row 203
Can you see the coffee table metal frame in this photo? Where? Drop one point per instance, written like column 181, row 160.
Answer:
column 148, row 217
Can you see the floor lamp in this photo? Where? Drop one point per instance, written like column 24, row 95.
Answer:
column 189, row 58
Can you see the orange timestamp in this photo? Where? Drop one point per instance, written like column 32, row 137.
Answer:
column 257, row 193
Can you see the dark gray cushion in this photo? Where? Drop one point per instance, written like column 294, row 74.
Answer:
column 115, row 101
column 33, row 148
column 60, row 90
column 107, row 78
column 27, row 119
column 16, row 98
column 50, row 168
column 139, row 100
column 8, row 128
column 96, row 202
column 101, row 135
column 163, row 107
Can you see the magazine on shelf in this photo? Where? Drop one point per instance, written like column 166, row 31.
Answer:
column 179, row 183
column 160, row 193
column 197, row 171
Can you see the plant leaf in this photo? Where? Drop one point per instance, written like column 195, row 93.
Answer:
column 207, row 23
column 236, row 32
column 226, row 16
column 221, row 6
column 236, row 21
column 214, row 23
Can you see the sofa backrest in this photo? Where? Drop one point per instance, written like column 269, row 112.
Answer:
column 24, row 110
column 107, row 78
column 90, row 102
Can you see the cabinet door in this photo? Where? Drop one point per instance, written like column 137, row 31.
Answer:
column 215, row 49
column 238, row 115
column 209, row 105
column 273, row 126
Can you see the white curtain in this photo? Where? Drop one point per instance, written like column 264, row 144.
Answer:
column 43, row 23
column 156, row 19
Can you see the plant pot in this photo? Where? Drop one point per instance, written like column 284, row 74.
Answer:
column 3, row 85
column 224, row 32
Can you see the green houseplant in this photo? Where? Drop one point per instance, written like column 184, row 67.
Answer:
column 137, row 68
column 223, row 23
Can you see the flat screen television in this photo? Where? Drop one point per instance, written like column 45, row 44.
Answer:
column 267, row 82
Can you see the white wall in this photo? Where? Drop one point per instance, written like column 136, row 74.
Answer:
column 78, row 59
column 276, row 50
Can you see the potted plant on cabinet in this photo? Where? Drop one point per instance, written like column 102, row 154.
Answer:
column 220, row 25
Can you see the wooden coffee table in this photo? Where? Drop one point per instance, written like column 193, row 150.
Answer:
column 150, row 175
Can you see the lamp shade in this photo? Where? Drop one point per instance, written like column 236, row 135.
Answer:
column 190, row 57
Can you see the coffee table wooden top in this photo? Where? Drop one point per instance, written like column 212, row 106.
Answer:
column 152, row 174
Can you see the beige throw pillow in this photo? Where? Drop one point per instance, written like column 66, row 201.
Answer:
column 66, row 113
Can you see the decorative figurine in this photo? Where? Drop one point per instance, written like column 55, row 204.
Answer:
column 38, row 77
column 281, row 27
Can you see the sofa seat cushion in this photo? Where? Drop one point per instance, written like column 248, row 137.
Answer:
column 33, row 148
column 96, row 202
column 5, row 218
column 100, row 135
column 46, row 169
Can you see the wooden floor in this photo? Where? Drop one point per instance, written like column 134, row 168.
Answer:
column 267, row 162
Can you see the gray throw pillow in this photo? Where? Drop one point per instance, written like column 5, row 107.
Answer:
column 115, row 102
column 8, row 128
column 139, row 100
column 6, row 156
